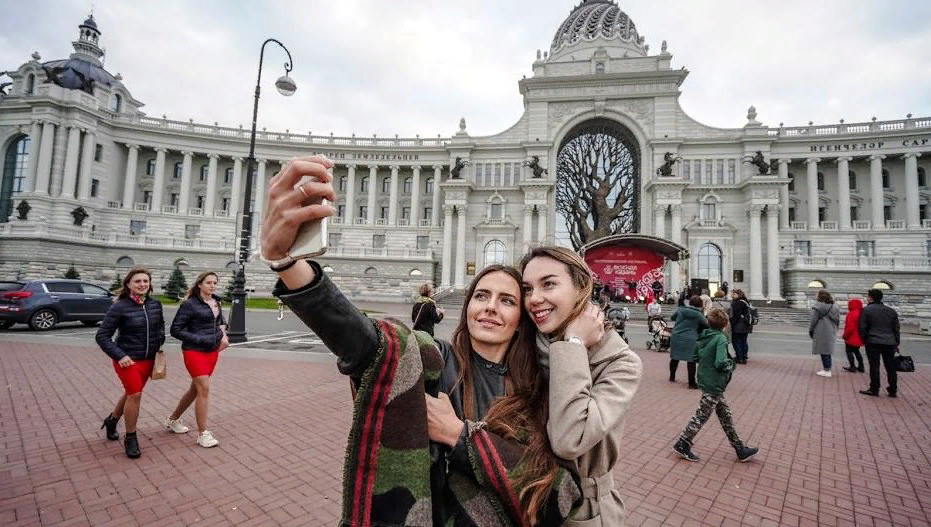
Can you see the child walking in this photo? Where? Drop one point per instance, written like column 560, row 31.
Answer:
column 715, row 366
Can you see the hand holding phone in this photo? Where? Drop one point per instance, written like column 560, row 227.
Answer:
column 296, row 206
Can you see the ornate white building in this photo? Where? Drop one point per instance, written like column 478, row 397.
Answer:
column 89, row 179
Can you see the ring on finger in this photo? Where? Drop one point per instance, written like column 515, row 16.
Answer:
column 304, row 192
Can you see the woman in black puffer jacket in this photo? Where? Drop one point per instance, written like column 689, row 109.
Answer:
column 141, row 326
column 200, row 326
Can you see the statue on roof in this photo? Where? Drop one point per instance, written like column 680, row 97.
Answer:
column 456, row 170
column 535, row 167
column 759, row 162
column 669, row 160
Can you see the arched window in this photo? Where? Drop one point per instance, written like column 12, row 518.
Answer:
column 922, row 177
column 371, row 271
column 408, row 185
column 386, row 185
column 15, row 163
column 820, row 180
column 791, row 182
column 232, row 266
column 600, row 67
column 342, row 183
column 496, row 210
column 31, row 84
column 709, row 209
column 416, row 272
column 365, row 184
column 124, row 262
column 817, row 284
column 429, row 185
column 883, row 286
column 327, row 269
column 710, row 263
column 177, row 174
column 887, row 180
column 494, row 252
column 182, row 264
column 116, row 103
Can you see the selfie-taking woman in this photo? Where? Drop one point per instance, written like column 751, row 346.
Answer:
column 141, row 327
column 593, row 376
column 489, row 463
column 200, row 326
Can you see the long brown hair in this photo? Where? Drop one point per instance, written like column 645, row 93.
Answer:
column 194, row 291
column 125, row 291
column 579, row 273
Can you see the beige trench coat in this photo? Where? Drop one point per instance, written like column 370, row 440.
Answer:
column 589, row 398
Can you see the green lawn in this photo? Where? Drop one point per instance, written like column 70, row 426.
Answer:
column 261, row 303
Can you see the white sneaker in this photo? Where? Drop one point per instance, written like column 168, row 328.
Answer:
column 176, row 426
column 824, row 373
column 206, row 439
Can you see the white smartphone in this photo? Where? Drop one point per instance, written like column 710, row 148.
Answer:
column 311, row 237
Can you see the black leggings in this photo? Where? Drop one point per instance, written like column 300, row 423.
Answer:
column 674, row 365
column 853, row 352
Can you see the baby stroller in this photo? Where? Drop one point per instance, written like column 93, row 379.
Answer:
column 660, row 335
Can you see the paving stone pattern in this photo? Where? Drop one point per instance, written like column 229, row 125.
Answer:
column 829, row 456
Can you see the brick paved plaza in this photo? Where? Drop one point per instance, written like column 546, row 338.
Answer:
column 829, row 456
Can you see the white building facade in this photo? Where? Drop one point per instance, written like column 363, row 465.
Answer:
column 844, row 205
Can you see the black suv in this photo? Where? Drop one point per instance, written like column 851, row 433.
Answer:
column 44, row 303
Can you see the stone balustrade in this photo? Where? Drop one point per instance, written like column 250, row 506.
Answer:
column 109, row 239
column 859, row 263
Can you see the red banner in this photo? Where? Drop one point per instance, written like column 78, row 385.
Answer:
column 628, row 271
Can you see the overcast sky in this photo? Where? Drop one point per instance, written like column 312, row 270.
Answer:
column 417, row 66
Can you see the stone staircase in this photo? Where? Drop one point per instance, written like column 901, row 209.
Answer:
column 450, row 298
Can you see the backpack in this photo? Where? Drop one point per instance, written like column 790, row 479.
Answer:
column 754, row 315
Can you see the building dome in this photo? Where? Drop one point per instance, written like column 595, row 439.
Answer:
column 593, row 19
column 90, row 22
column 77, row 74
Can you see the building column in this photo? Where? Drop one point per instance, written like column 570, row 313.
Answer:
column 912, row 214
column 784, row 193
column 259, row 198
column 211, row 199
column 541, row 223
column 876, row 191
column 812, row 184
column 87, row 166
column 437, row 174
column 676, row 237
column 843, row 192
column 373, row 186
column 447, row 244
column 35, row 137
column 44, row 168
column 415, row 197
column 528, row 226
column 756, row 253
column 158, row 187
column 237, row 187
column 184, row 200
column 460, row 246
column 393, row 197
column 774, row 288
column 659, row 221
column 350, row 195
column 70, row 175
column 129, row 182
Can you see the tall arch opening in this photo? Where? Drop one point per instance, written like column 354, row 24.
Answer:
column 597, row 183
column 15, row 164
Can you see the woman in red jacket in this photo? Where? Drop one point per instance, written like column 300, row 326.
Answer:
column 852, row 335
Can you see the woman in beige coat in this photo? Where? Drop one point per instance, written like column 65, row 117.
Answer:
column 593, row 377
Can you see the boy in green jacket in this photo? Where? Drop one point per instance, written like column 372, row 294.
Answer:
column 715, row 366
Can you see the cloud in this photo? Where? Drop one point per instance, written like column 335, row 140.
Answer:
column 416, row 66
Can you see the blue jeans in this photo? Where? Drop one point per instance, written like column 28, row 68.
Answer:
column 826, row 362
column 741, row 347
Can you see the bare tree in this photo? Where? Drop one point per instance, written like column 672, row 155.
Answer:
column 597, row 184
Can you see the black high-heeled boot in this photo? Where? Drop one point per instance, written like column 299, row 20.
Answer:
column 132, row 445
column 110, row 424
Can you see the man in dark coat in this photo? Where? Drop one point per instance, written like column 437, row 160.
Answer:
column 879, row 331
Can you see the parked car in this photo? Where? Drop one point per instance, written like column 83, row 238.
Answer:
column 44, row 303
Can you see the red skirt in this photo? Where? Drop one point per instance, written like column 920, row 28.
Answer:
column 200, row 363
column 135, row 376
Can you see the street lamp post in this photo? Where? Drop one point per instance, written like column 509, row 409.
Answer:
column 286, row 86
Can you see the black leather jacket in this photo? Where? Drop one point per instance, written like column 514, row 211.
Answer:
column 879, row 324
column 141, row 329
column 196, row 327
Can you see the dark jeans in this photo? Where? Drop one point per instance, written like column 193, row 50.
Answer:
column 854, row 357
column 690, row 366
column 826, row 362
column 741, row 347
column 873, row 353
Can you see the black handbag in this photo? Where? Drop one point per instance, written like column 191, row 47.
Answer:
column 904, row 363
